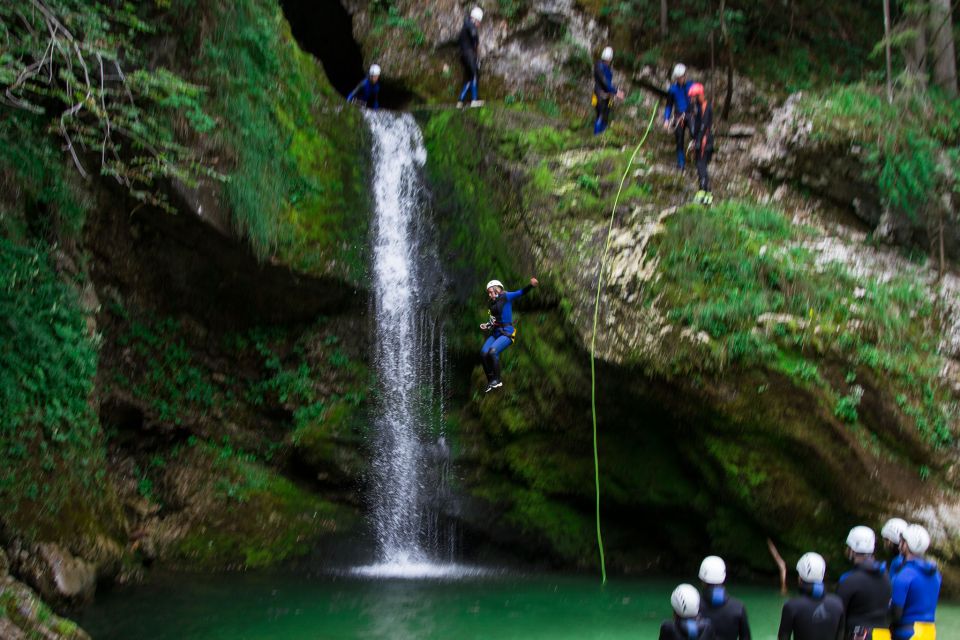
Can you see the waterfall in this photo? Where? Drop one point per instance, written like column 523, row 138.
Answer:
column 410, row 465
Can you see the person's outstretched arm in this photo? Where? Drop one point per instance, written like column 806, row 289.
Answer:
column 513, row 295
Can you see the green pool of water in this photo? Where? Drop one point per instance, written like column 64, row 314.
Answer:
column 342, row 608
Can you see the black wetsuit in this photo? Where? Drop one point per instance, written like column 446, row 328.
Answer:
column 469, row 41
column 865, row 591
column 701, row 122
column 698, row 629
column 806, row 617
column 728, row 615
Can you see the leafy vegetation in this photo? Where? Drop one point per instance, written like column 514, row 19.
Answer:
column 902, row 141
column 79, row 69
column 728, row 268
column 50, row 440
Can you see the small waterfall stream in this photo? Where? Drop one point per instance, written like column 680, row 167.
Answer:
column 411, row 459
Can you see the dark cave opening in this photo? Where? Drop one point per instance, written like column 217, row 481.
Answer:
column 325, row 30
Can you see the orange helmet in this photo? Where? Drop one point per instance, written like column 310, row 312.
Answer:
column 696, row 89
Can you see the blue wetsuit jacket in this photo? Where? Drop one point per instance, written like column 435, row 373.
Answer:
column 677, row 99
column 916, row 589
column 366, row 92
column 501, row 310
column 603, row 81
column 895, row 565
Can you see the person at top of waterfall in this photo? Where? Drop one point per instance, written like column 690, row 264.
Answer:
column 501, row 328
column 675, row 113
column 604, row 91
column 469, row 41
column 865, row 589
column 367, row 93
column 892, row 534
column 814, row 614
column 916, row 589
column 686, row 623
column 727, row 615
column 700, row 118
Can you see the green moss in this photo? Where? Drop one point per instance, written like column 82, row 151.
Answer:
column 258, row 518
column 297, row 189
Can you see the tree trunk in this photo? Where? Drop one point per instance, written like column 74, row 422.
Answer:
column 916, row 54
column 943, row 57
column 663, row 18
column 886, row 46
column 728, row 98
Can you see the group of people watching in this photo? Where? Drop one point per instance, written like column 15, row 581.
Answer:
column 874, row 600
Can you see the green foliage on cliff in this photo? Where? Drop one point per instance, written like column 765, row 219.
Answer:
column 762, row 292
column 79, row 69
column 50, row 444
column 296, row 184
column 904, row 142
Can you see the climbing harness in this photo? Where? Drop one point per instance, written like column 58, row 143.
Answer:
column 593, row 341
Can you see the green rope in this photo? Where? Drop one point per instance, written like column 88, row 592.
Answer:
column 593, row 341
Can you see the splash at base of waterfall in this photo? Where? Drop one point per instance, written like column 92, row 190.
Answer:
column 422, row 571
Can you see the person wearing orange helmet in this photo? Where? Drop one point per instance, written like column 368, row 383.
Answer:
column 700, row 117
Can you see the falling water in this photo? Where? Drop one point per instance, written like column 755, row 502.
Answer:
column 411, row 461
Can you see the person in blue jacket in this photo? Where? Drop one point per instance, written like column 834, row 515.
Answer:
column 501, row 328
column 916, row 589
column 604, row 91
column 469, row 42
column 367, row 93
column 675, row 113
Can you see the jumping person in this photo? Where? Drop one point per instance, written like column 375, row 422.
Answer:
column 501, row 328
column 367, row 93
column 814, row 614
column 865, row 589
column 916, row 589
column 675, row 113
column 891, row 533
column 687, row 623
column 700, row 117
column 470, row 56
column 604, row 91
column 727, row 615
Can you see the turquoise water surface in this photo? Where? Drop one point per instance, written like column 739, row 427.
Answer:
column 343, row 607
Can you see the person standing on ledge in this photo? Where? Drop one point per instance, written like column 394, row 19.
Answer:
column 727, row 615
column 501, row 328
column 604, row 91
column 675, row 113
column 367, row 93
column 814, row 614
column 916, row 589
column 687, row 623
column 700, row 118
column 865, row 589
column 469, row 41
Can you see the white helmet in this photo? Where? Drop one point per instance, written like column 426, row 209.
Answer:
column 917, row 539
column 607, row 54
column 713, row 571
column 893, row 529
column 494, row 283
column 679, row 70
column 862, row 540
column 812, row 568
column 374, row 70
column 685, row 601
column 477, row 14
